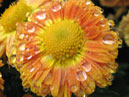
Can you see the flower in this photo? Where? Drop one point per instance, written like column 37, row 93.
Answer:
column 27, row 95
column 1, row 2
column 1, row 94
column 1, row 83
column 17, row 12
column 112, row 3
column 124, row 28
column 1, row 80
column 65, row 47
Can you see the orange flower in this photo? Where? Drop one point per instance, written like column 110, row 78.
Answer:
column 65, row 47
column 124, row 28
column 1, row 80
column 1, row 2
column 1, row 83
column 27, row 95
column 1, row 94
column 112, row 3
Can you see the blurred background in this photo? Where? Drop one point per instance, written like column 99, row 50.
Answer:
column 112, row 9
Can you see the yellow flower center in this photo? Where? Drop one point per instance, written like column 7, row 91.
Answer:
column 63, row 40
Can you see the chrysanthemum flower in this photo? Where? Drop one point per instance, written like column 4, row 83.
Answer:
column 1, row 94
column 1, row 2
column 65, row 47
column 124, row 28
column 27, row 95
column 1, row 80
column 113, row 3
column 17, row 12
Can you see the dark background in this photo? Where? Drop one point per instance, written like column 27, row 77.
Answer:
column 120, row 84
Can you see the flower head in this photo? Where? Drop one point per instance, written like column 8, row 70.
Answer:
column 65, row 47
column 124, row 28
column 1, row 80
column 1, row 2
column 112, row 3
column 27, row 95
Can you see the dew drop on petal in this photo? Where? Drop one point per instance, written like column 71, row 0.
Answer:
column 84, row 95
column 22, row 46
column 74, row 88
column 29, row 28
column 108, row 39
column 88, row 2
column 86, row 67
column 32, row 70
column 56, row 8
column 21, row 36
column 28, row 56
column 26, row 89
column 41, row 15
column 81, row 75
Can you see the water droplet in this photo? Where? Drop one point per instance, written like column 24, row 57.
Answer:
column 81, row 75
column 84, row 95
column 41, row 15
column 111, row 23
column 74, row 88
column 21, row 36
column 30, row 28
column 108, row 39
column 96, row 14
column 26, row 89
column 22, row 46
column 56, row 8
column 28, row 56
column 86, row 67
column 103, row 25
column 32, row 69
column 88, row 2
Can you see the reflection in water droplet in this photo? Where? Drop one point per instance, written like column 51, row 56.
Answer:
column 86, row 67
column 21, row 36
column 32, row 70
column 96, row 14
column 22, row 46
column 74, row 88
column 55, row 8
column 81, row 75
column 84, row 95
column 110, row 23
column 88, row 2
column 41, row 15
column 28, row 56
column 108, row 39
column 29, row 27
column 31, row 30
